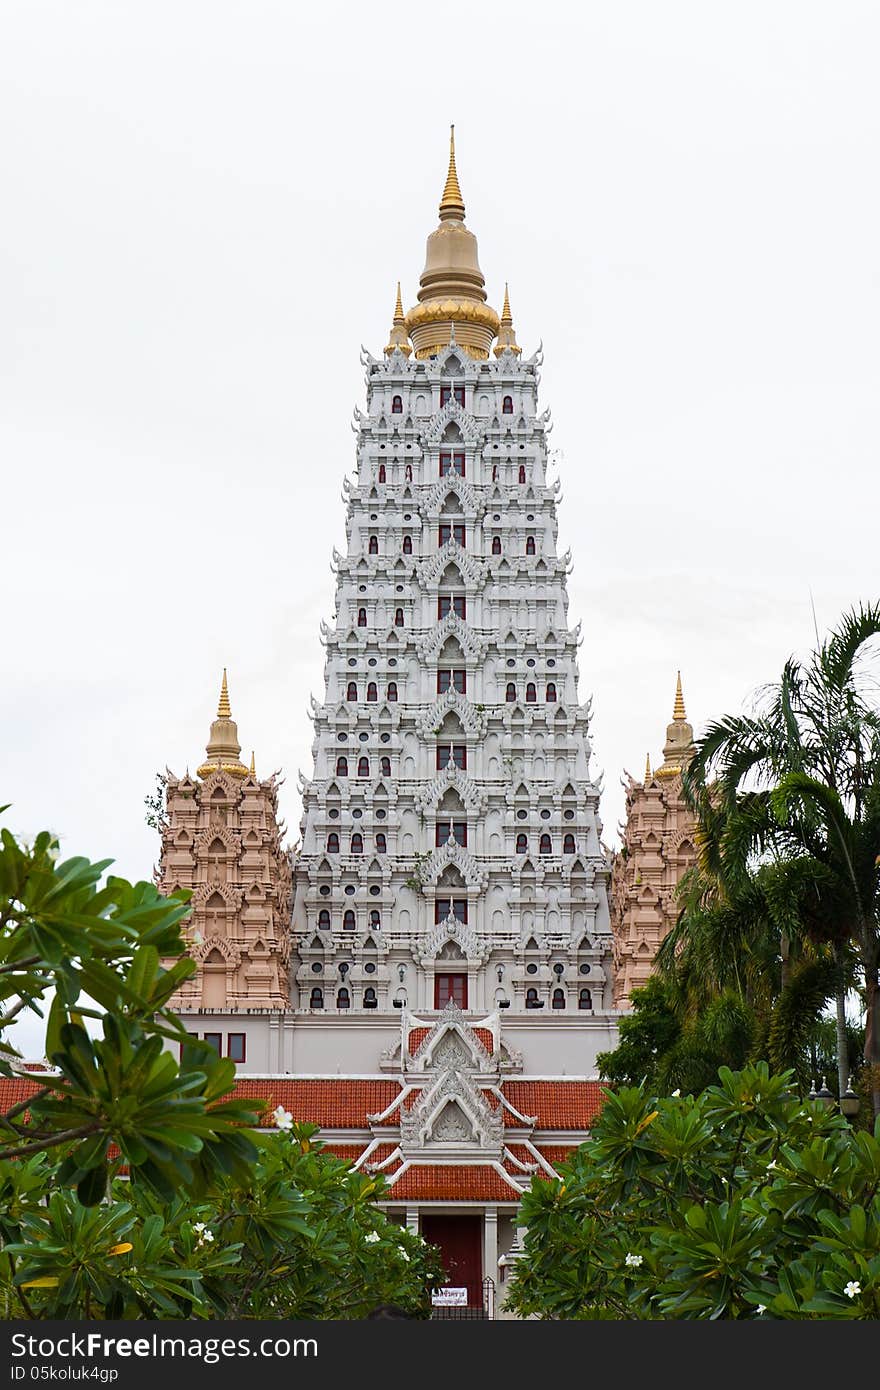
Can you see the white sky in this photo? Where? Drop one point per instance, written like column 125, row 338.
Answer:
column 205, row 209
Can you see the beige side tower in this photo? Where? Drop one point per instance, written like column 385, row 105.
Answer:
column 658, row 846
column 222, row 840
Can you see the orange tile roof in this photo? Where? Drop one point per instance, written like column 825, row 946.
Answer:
column 417, row 1037
column 555, row 1104
column 459, row 1182
column 332, row 1103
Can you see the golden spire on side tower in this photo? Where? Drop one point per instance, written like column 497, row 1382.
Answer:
column 506, row 335
column 452, row 203
column 678, row 711
column 253, row 766
column 398, row 341
column 224, row 710
column 647, row 769
column 223, row 747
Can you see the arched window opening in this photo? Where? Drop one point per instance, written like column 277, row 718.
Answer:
column 373, row 547
column 511, row 693
column 532, row 1000
column 381, row 473
column 522, row 844
column 342, row 767
column 381, row 843
column 496, row 545
column 585, row 999
column 522, row 473
column 351, row 692
column 372, row 693
column 407, row 545
column 324, row 919
column 348, row 920
column 385, row 766
column 362, row 617
column 551, row 693
column 392, row 692
column 530, row 545
column 396, row 405
column 507, row 405
column 370, row 1001
column 407, row 473
column 333, row 843
column 357, row 843
column 316, row 998
column 531, row 693
column 568, row 845
column 558, row 1001
column 544, row 846
column 343, row 998
column 494, row 472
column 363, row 767
column 375, row 918
column 398, row 617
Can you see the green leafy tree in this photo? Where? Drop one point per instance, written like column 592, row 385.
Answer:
column 741, row 1202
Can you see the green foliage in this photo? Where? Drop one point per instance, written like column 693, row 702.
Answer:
column 131, row 1184
column 741, row 1202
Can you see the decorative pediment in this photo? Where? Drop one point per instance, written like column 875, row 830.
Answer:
column 473, row 721
column 453, row 414
column 452, row 1112
column 430, row 571
column 231, row 896
column 201, row 950
column 452, row 776
column 451, row 1042
column 471, row 506
column 462, row 935
column 451, row 626
column 455, row 855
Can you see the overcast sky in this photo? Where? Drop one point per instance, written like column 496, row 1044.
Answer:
column 206, row 207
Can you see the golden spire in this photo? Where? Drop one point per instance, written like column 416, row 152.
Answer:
column 223, row 748
column 506, row 335
column 452, row 203
column 253, row 767
column 398, row 341
column 224, row 709
column 678, row 711
column 647, row 769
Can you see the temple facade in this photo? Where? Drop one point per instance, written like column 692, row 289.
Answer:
column 438, row 995
column 657, row 849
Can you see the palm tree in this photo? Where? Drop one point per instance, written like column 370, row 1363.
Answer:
column 803, row 778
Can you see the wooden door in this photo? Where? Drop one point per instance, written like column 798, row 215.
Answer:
column 460, row 1239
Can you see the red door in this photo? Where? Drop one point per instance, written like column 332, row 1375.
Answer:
column 448, row 987
column 460, row 1241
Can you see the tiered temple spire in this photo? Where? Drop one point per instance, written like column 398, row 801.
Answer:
column 223, row 748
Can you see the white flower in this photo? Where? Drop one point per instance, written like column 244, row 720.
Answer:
column 771, row 1164
column 852, row 1289
column 373, row 1238
column 761, row 1308
column 282, row 1118
column 208, row 1236
column 198, row 1227
column 404, row 1255
column 677, row 1091
column 633, row 1260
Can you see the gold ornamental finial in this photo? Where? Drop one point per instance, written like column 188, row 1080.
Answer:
column 452, row 203
column 506, row 316
column 647, row 769
column 224, row 710
column 506, row 335
column 398, row 341
column 678, row 710
column 253, row 767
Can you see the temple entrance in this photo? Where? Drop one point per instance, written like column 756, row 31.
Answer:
column 450, row 989
column 460, row 1240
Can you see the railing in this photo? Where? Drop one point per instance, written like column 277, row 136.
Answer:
column 478, row 1311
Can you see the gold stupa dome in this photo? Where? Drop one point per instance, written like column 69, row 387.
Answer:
column 223, row 746
column 452, row 293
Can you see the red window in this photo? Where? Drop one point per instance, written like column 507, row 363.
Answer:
column 351, row 692
column 362, row 617
column 448, row 392
column 551, row 693
column 455, row 532
column 450, row 988
column 372, row 693
column 450, row 907
column 375, row 919
column 558, row 1001
column 457, row 828
column 522, row 473
column 381, row 847
column 452, row 603
column 316, row 998
column 333, row 843
column 568, row 845
column 585, row 999
column 215, row 1040
column 451, row 680
column 532, row 1000
column 522, row 844
column 398, row 617
column 496, row 545
column 451, row 463
column 530, row 545
column 343, row 998
column 236, row 1047
column 396, row 405
column 348, row 920
column 324, row 919
column 370, row 1001
column 392, row 692
column 494, row 472
column 507, row 405
column 385, row 767
column 407, row 545
column 510, row 697
column 373, row 547
column 407, row 473
column 381, row 472
column 451, row 753
column 342, row 767
column 357, row 843
column 363, row 767
column 545, row 847
column 531, row 693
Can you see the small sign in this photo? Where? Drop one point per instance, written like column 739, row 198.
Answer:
column 449, row 1298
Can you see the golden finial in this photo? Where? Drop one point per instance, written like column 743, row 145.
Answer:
column 648, row 769
column 506, row 335
column 506, row 316
column 678, row 710
column 253, row 768
column 452, row 203
column 224, row 710
column 398, row 341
